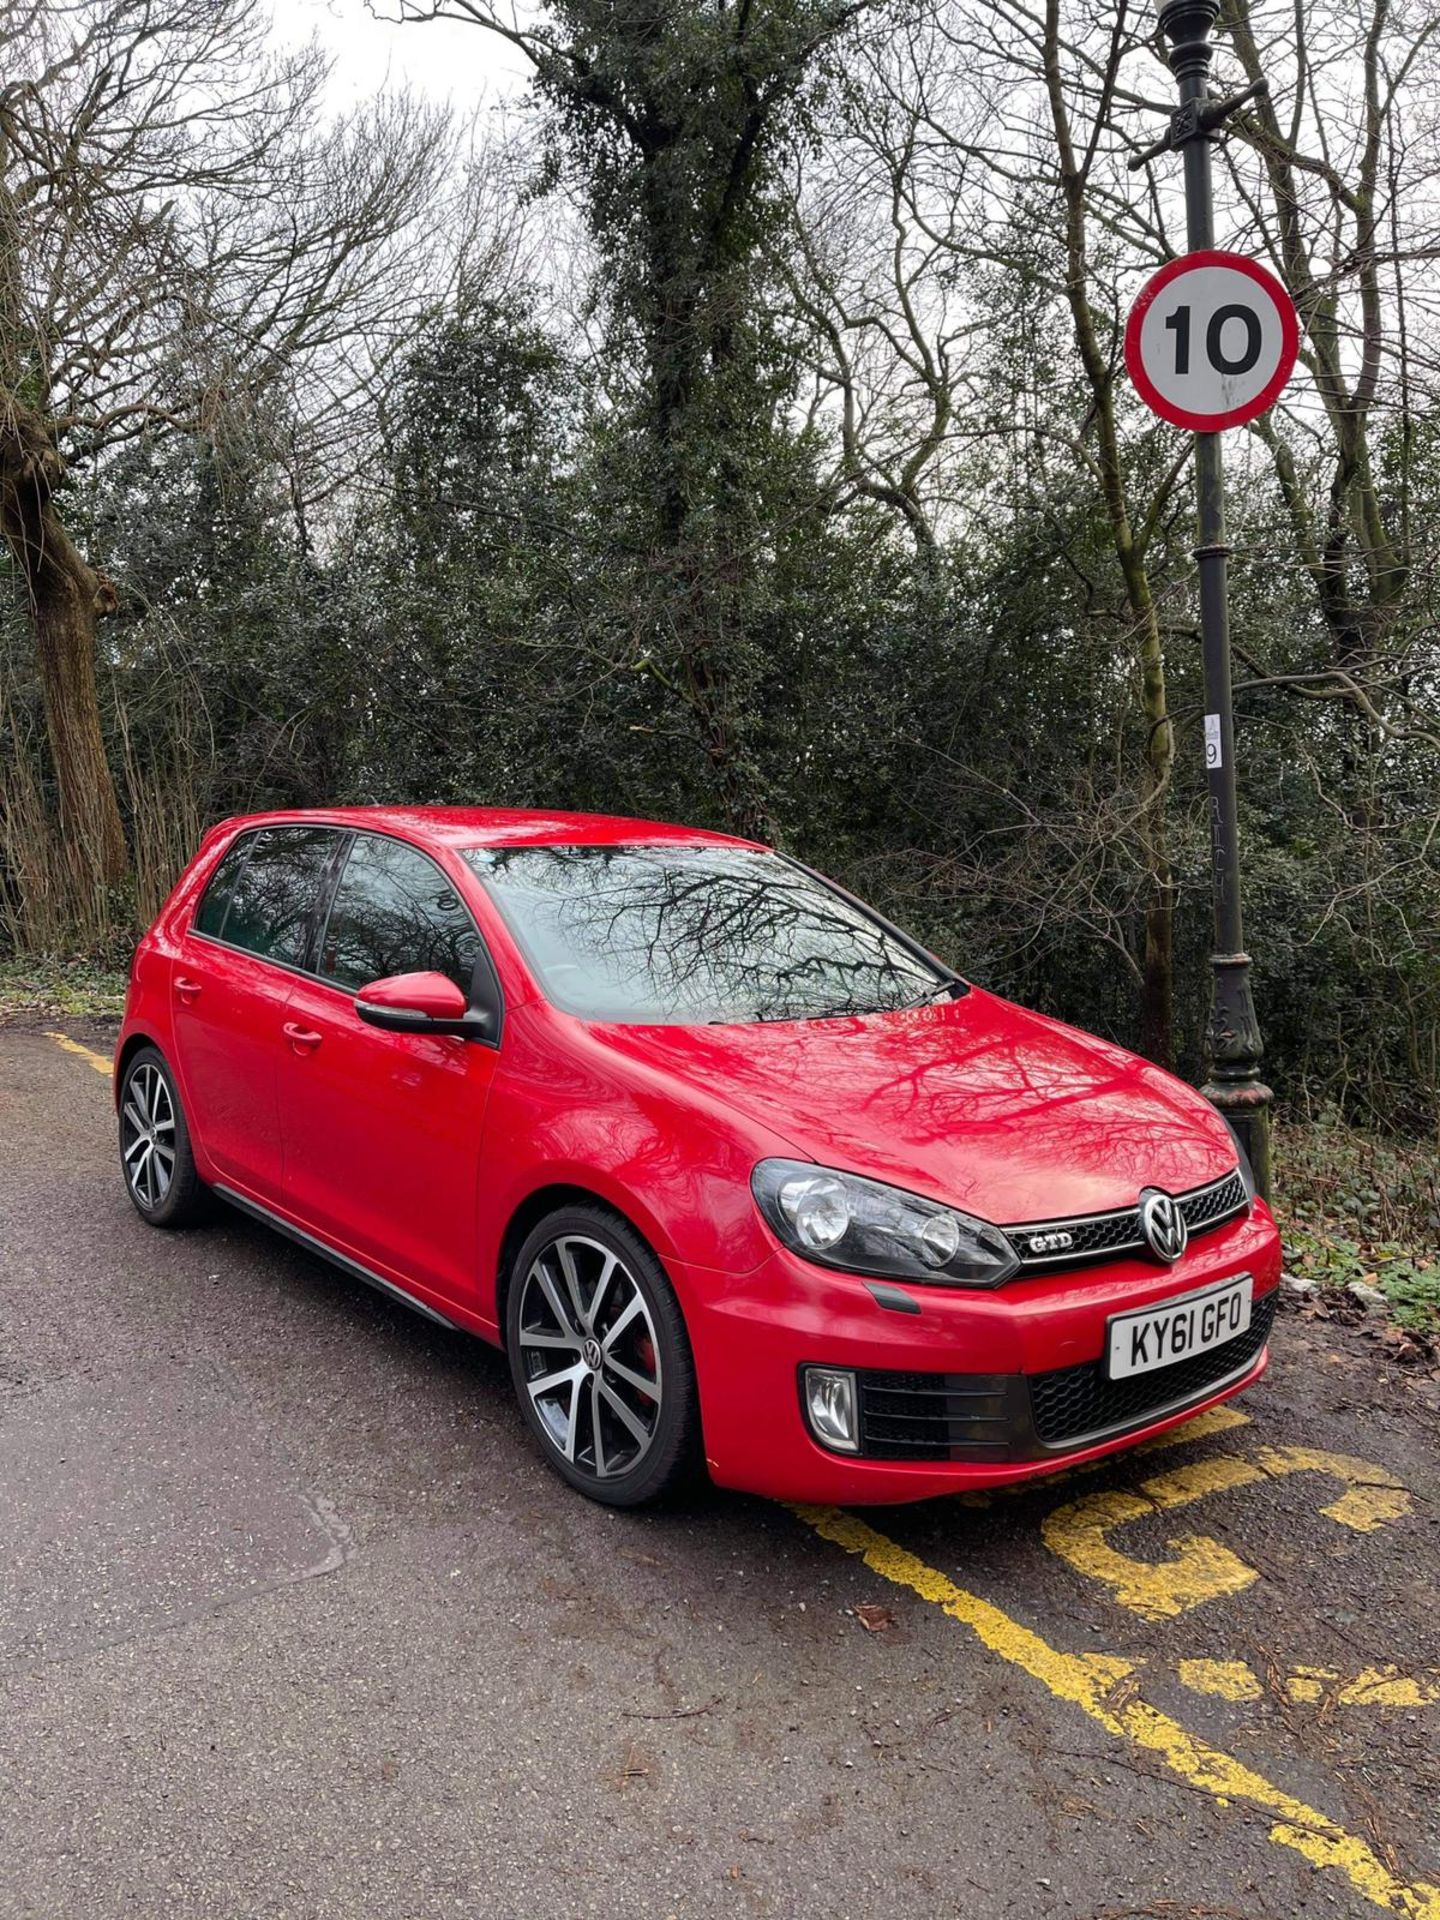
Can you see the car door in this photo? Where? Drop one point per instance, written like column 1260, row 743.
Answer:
column 231, row 983
column 382, row 1130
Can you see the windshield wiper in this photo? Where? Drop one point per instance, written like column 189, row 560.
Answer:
column 846, row 1010
column 941, row 990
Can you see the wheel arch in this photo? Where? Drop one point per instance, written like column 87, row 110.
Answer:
column 134, row 1042
column 532, row 1210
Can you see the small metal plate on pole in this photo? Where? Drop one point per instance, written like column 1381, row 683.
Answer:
column 1211, row 341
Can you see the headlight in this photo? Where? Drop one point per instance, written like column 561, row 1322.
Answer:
column 1247, row 1174
column 1243, row 1167
column 840, row 1220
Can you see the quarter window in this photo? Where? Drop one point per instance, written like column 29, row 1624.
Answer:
column 273, row 901
column 396, row 912
column 221, row 890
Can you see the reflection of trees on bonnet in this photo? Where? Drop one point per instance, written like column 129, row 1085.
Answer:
column 697, row 933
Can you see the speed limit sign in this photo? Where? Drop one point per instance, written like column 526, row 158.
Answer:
column 1211, row 341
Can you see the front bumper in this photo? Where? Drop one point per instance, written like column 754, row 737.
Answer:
column 997, row 1386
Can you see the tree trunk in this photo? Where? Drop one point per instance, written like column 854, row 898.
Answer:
column 66, row 599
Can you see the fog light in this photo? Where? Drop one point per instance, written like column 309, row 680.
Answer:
column 830, row 1404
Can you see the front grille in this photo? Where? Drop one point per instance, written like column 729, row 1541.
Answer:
column 1101, row 1235
column 1074, row 1402
column 936, row 1416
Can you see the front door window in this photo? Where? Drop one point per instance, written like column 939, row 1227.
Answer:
column 396, row 912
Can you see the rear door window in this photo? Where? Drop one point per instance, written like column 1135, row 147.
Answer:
column 395, row 912
column 275, row 900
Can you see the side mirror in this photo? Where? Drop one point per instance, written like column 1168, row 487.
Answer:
column 424, row 1003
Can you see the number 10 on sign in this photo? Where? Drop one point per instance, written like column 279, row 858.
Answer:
column 1211, row 341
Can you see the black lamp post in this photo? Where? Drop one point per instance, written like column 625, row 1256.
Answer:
column 1236, row 1051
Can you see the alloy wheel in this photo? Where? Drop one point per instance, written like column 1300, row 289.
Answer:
column 590, row 1356
column 147, row 1135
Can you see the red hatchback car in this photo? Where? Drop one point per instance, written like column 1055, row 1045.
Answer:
column 729, row 1166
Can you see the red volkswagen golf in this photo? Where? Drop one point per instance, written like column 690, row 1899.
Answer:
column 731, row 1168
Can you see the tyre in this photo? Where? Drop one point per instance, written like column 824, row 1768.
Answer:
column 601, row 1360
column 155, row 1156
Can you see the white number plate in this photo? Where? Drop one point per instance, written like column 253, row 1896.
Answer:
column 1159, row 1336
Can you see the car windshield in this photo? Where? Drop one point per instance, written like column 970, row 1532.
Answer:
column 661, row 935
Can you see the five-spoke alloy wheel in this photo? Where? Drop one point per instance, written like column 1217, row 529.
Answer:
column 147, row 1136
column 600, row 1358
column 155, row 1155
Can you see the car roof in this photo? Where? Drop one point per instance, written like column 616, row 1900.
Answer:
column 493, row 826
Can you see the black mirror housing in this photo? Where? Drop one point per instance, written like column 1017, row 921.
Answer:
column 471, row 1025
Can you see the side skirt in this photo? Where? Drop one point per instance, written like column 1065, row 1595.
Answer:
column 341, row 1260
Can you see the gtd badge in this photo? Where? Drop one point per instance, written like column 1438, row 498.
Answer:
column 1163, row 1225
column 1055, row 1242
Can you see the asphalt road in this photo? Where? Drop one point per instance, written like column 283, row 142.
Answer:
column 293, row 1622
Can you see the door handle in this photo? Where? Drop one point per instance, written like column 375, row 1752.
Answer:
column 187, row 989
column 303, row 1039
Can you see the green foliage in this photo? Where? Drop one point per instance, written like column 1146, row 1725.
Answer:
column 671, row 122
column 229, row 629
column 463, row 564
column 1360, row 1207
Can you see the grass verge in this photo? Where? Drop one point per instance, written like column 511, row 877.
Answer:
column 59, row 990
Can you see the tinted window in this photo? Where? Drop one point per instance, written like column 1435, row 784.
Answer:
column 395, row 912
column 689, row 934
column 272, row 907
column 216, row 904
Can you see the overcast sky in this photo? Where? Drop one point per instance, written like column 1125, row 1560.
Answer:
column 442, row 58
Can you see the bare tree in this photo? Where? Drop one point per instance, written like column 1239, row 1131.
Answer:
column 183, row 232
column 1340, row 185
column 985, row 136
column 897, row 334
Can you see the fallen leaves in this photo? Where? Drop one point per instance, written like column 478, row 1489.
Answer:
column 875, row 1619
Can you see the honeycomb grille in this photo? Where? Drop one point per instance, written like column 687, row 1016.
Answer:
column 1101, row 1234
column 1073, row 1402
column 1212, row 1204
column 935, row 1416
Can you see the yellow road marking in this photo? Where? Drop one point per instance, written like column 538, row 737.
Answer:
column 1372, row 1497
column 1310, row 1686
column 1225, row 1679
column 1091, row 1681
column 97, row 1060
column 1372, row 1687
column 1200, row 1568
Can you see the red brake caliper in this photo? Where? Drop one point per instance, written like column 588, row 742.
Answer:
column 645, row 1354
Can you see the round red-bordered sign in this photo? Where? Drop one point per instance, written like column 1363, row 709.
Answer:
column 1211, row 341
